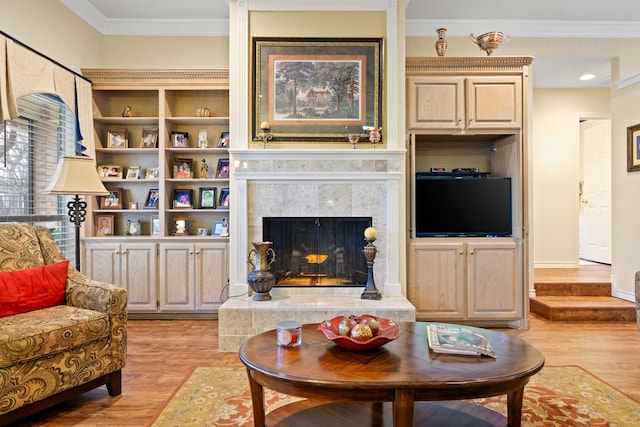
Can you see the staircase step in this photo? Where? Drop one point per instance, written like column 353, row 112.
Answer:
column 581, row 308
column 602, row 289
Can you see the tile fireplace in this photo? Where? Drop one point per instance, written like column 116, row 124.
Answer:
column 319, row 184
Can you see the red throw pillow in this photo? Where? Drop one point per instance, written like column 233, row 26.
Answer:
column 32, row 289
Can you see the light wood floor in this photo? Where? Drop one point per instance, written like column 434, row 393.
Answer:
column 162, row 353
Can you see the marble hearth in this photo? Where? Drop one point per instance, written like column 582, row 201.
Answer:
column 323, row 183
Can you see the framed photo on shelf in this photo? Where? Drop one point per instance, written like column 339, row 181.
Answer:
column 113, row 200
column 155, row 225
column 223, row 203
column 104, row 225
column 354, row 62
column 134, row 227
column 149, row 138
column 223, row 168
column 180, row 139
column 110, row 172
column 153, row 199
column 182, row 168
column 152, row 173
column 207, row 198
column 223, row 142
column 133, row 172
column 117, row 138
column 216, row 228
column 133, row 206
column 182, row 198
column 633, row 148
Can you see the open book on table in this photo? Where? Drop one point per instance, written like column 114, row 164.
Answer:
column 454, row 339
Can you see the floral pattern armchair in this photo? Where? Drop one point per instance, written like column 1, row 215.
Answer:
column 51, row 354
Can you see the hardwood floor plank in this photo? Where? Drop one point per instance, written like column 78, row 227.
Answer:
column 162, row 354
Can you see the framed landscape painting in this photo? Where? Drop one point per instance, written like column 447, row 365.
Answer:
column 311, row 89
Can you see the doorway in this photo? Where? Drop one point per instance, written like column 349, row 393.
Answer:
column 595, row 191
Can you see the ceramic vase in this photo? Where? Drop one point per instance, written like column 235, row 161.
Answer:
column 441, row 43
column 260, row 279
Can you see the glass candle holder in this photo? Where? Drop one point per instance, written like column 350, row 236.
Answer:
column 289, row 333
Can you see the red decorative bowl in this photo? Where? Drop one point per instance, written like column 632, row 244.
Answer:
column 389, row 331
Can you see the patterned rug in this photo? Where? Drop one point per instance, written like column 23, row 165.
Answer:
column 556, row 396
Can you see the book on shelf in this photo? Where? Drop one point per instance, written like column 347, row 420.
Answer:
column 454, row 339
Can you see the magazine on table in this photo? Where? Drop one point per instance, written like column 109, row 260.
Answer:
column 454, row 339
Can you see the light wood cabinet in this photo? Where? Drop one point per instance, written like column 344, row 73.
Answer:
column 465, row 280
column 189, row 272
column 470, row 113
column 193, row 276
column 132, row 265
column 464, row 103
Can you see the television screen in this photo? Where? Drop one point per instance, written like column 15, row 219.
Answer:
column 462, row 206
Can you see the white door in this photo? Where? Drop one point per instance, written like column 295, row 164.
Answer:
column 595, row 194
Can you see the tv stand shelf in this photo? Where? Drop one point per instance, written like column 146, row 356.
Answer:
column 470, row 112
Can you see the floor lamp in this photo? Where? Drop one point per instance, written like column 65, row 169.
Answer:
column 76, row 176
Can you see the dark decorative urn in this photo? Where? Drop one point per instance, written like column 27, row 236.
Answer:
column 260, row 279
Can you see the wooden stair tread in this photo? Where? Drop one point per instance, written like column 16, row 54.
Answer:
column 583, row 309
column 584, row 301
column 574, row 289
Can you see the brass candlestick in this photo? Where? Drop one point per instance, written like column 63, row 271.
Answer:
column 370, row 250
column 267, row 136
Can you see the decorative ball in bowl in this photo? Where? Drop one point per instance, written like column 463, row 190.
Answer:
column 360, row 332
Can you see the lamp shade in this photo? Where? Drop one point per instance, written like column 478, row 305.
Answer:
column 76, row 175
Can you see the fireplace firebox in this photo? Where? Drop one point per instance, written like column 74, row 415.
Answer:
column 317, row 251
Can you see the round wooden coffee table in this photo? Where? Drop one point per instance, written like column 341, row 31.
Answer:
column 403, row 371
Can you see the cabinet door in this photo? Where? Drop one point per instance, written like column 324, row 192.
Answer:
column 177, row 277
column 139, row 276
column 211, row 275
column 494, row 288
column 436, row 280
column 494, row 102
column 102, row 262
column 435, row 102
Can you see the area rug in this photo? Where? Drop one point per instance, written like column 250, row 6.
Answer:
column 556, row 396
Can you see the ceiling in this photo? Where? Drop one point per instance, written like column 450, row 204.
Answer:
column 517, row 18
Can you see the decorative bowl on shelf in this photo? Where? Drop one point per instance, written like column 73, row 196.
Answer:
column 388, row 331
column 489, row 42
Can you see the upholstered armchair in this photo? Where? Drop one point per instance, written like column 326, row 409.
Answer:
column 61, row 333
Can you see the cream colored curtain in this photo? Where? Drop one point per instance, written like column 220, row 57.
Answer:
column 24, row 72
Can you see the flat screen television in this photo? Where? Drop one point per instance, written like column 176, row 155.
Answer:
column 462, row 206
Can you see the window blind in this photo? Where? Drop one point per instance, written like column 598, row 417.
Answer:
column 32, row 144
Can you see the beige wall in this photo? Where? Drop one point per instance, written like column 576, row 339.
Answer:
column 556, row 169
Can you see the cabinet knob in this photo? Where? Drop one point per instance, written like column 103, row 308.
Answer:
column 116, row 253
column 190, row 252
column 461, row 252
column 459, row 120
column 197, row 252
column 471, row 252
column 470, row 119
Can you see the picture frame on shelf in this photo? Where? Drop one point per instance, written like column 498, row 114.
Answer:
column 152, row 173
column 207, row 199
column 153, row 199
column 110, row 171
column 113, row 200
column 149, row 138
column 155, row 225
column 182, row 168
column 181, row 227
column 133, row 206
column 180, row 139
column 134, row 227
column 133, row 172
column 117, row 138
column 216, row 228
column 104, row 225
column 633, row 148
column 223, row 142
column 335, row 59
column 223, row 202
column 182, row 198
column 223, row 169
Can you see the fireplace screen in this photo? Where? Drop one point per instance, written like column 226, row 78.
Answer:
column 314, row 251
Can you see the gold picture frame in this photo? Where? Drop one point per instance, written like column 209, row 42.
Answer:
column 633, row 148
column 117, row 138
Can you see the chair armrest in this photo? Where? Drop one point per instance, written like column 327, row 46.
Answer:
column 89, row 294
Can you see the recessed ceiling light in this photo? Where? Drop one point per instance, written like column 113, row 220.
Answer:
column 585, row 77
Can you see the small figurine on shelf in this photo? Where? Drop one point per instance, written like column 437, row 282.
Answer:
column 225, row 228
column 204, row 169
column 127, row 112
